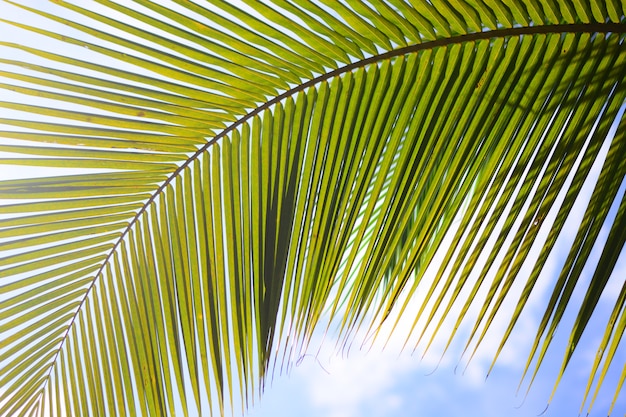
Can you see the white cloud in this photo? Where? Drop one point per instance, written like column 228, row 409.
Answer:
column 362, row 381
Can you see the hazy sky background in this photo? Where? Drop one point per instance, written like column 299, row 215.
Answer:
column 391, row 383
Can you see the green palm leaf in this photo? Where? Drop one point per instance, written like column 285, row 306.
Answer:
column 250, row 170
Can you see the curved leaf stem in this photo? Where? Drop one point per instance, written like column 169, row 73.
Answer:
column 619, row 28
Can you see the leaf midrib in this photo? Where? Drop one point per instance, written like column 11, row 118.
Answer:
column 608, row 28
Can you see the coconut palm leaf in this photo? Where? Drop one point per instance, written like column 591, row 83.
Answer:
column 223, row 178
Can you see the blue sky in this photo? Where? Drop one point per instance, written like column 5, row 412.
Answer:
column 387, row 384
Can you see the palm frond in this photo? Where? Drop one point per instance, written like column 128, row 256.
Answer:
column 249, row 171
